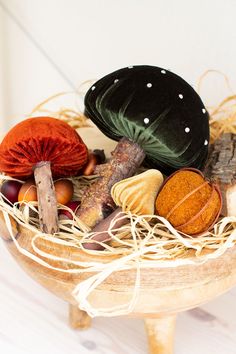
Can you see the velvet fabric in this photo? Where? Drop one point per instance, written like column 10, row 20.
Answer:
column 42, row 139
column 155, row 108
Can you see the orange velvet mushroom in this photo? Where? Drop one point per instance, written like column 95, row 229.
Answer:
column 42, row 139
column 44, row 146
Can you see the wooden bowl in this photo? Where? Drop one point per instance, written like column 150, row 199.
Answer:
column 164, row 291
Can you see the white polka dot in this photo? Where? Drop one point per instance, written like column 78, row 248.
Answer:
column 181, row 96
column 146, row 120
column 93, row 88
column 130, row 67
column 163, row 71
column 187, row 130
column 203, row 110
column 149, row 85
column 206, row 142
column 116, row 80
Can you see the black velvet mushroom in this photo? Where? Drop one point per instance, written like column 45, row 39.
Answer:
column 154, row 115
column 156, row 109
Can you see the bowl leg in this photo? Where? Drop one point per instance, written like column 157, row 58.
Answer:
column 78, row 319
column 160, row 333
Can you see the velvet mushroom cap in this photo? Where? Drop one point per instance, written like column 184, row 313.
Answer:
column 42, row 139
column 156, row 109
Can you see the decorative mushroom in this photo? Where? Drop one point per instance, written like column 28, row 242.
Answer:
column 189, row 202
column 44, row 146
column 138, row 193
column 155, row 115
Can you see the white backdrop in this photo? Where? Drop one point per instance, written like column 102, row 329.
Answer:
column 87, row 39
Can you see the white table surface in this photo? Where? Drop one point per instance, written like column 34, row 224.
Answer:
column 33, row 321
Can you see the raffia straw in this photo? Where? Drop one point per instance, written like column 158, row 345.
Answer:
column 74, row 117
column 149, row 244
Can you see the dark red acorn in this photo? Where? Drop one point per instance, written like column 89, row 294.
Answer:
column 10, row 190
column 66, row 214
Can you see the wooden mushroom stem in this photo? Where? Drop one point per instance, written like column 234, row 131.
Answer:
column 97, row 202
column 47, row 202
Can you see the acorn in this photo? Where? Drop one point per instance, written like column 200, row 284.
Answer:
column 97, row 157
column 28, row 192
column 66, row 214
column 10, row 190
column 64, row 190
column 189, row 202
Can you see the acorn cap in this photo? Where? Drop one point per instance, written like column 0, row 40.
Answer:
column 156, row 109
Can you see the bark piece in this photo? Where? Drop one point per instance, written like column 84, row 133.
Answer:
column 221, row 168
